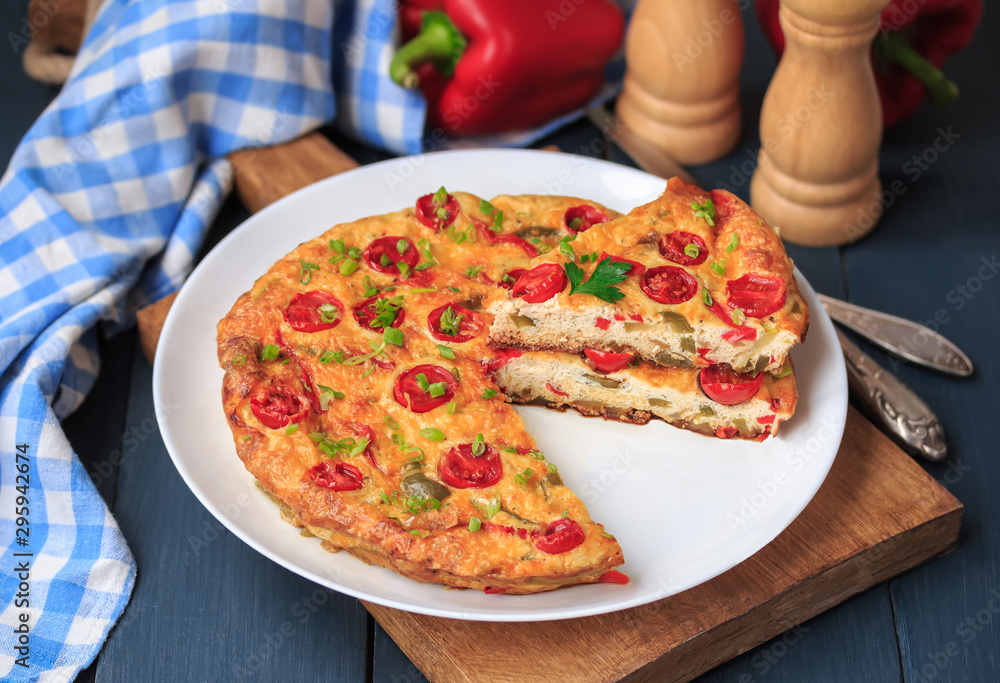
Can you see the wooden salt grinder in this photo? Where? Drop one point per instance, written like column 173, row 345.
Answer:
column 821, row 125
column 681, row 89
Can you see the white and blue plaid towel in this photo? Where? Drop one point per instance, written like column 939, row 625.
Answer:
column 102, row 209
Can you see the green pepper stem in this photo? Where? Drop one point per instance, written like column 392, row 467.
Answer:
column 894, row 47
column 439, row 42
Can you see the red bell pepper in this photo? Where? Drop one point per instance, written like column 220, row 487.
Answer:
column 913, row 42
column 505, row 65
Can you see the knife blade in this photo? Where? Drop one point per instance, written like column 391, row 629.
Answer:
column 646, row 155
column 905, row 338
column 907, row 418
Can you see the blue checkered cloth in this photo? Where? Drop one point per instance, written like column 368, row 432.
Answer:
column 102, row 208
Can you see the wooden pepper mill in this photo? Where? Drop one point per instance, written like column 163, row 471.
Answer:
column 821, row 125
column 681, row 90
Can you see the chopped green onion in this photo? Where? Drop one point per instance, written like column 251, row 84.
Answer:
column 706, row 297
column 337, row 245
column 246, row 438
column 425, row 290
column 422, row 382
column 446, row 352
column 565, row 513
column 432, row 434
column 404, row 269
column 328, row 313
column 332, row 356
column 607, row 535
column 390, row 423
column 240, row 360
column 292, row 428
column 450, row 322
column 733, row 243
column 706, row 211
column 370, row 288
column 494, row 213
column 270, row 352
column 785, row 371
column 305, row 271
column 327, row 395
column 473, row 271
column 692, row 250
column 478, row 445
column 523, row 477
column 437, row 390
column 474, row 524
column 402, row 245
column 354, row 253
column 384, row 260
column 451, row 408
column 719, row 268
column 456, row 374
column 489, row 393
column 392, row 336
column 493, row 507
column 347, row 267
column 369, row 371
column 566, row 249
column 739, row 317
column 317, row 436
column 440, row 197
column 552, row 468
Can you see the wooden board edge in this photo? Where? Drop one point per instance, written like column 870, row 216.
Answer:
column 805, row 600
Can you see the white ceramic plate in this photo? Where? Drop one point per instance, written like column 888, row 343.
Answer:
column 684, row 507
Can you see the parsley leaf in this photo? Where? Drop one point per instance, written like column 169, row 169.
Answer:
column 601, row 282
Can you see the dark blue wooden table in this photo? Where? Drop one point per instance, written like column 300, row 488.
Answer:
column 207, row 607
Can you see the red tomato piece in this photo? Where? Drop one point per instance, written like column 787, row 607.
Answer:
column 463, row 470
column 336, row 475
column 740, row 333
column 493, row 590
column 409, row 393
column 635, row 269
column 470, row 324
column 541, row 283
column 493, row 239
column 583, row 217
column 758, row 296
column 359, row 431
column 437, row 215
column 503, row 356
column 607, row 362
column 602, row 323
column 383, row 254
column 277, row 406
column 614, row 576
column 508, row 280
column 726, row 432
column 668, row 284
column 548, row 385
column 367, row 311
column 314, row 311
column 724, row 386
column 559, row 536
column 766, row 420
column 672, row 246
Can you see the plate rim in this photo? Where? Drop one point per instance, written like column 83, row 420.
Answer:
column 817, row 317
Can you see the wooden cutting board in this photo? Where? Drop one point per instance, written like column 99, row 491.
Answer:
column 878, row 514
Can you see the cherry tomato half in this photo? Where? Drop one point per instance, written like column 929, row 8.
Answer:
column 383, row 254
column 559, row 536
column 470, row 324
column 314, row 311
column 607, row 362
column 758, row 296
column 724, row 386
column 541, row 283
column 500, row 359
column 463, row 470
column 409, row 392
column 367, row 311
column 336, row 475
column 493, row 239
column 437, row 215
column 508, row 280
column 668, row 284
column 636, row 267
column 672, row 246
column 277, row 406
column 583, row 217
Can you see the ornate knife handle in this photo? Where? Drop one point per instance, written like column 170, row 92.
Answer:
column 908, row 419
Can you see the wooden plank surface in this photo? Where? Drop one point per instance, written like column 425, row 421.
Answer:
column 878, row 514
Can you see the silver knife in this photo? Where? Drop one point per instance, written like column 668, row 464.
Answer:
column 909, row 420
column 646, row 155
column 905, row 338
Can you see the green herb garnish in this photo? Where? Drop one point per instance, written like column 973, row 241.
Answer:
column 450, row 322
column 270, row 352
column 473, row 271
column 478, row 446
column 240, row 360
column 692, row 250
column 332, row 357
column 739, row 317
column 733, row 243
column 474, row 523
column 326, row 395
column 432, row 434
column 719, row 267
column 292, row 428
column 328, row 313
column 523, row 477
column 706, row 211
column 706, row 297
column 446, row 352
column 305, row 271
column 392, row 336
column 494, row 213
column 601, row 282
column 348, row 266
column 489, row 393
